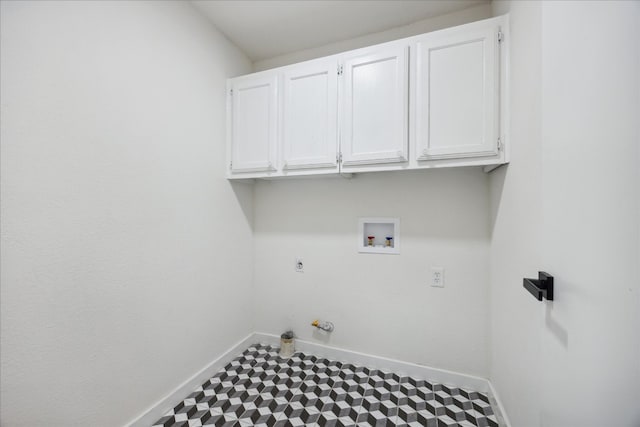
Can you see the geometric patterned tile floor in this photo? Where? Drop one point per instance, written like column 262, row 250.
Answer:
column 259, row 388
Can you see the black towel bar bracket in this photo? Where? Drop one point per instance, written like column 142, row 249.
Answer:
column 542, row 287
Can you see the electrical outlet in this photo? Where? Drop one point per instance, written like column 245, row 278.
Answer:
column 299, row 265
column 437, row 277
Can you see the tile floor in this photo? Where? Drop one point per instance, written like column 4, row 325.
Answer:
column 259, row 388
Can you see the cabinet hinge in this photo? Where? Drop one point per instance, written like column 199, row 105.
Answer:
column 231, row 164
column 339, row 70
column 500, row 36
column 339, row 157
column 500, row 147
column 231, row 92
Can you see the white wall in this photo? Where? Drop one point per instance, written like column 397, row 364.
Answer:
column 568, row 203
column 380, row 304
column 124, row 249
column 464, row 16
column 516, row 208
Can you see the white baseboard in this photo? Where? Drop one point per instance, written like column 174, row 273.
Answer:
column 435, row 375
column 155, row 412
column 496, row 402
column 440, row 376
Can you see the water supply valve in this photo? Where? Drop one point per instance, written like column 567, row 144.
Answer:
column 325, row 326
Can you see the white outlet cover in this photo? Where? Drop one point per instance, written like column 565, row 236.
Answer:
column 437, row 277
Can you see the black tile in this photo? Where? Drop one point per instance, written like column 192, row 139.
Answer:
column 262, row 389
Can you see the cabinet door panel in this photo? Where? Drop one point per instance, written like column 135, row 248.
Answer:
column 457, row 94
column 375, row 107
column 310, row 138
column 254, row 123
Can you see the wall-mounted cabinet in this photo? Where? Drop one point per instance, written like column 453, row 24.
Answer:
column 375, row 104
column 457, row 92
column 434, row 100
column 253, row 124
column 310, row 116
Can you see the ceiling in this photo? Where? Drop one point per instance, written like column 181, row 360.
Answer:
column 268, row 28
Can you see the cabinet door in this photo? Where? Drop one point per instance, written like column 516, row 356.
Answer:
column 457, row 92
column 375, row 103
column 254, row 123
column 310, row 115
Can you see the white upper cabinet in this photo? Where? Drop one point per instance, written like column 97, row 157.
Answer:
column 428, row 101
column 374, row 105
column 457, row 92
column 310, row 116
column 253, row 124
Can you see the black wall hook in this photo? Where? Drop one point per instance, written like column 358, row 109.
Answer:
column 541, row 287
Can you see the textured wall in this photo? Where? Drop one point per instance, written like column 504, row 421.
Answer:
column 380, row 304
column 124, row 249
column 569, row 203
column 464, row 16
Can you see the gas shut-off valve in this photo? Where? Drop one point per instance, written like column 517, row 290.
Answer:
column 325, row 326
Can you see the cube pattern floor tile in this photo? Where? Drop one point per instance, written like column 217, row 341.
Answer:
column 258, row 388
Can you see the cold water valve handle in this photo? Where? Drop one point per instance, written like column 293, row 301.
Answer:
column 325, row 326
